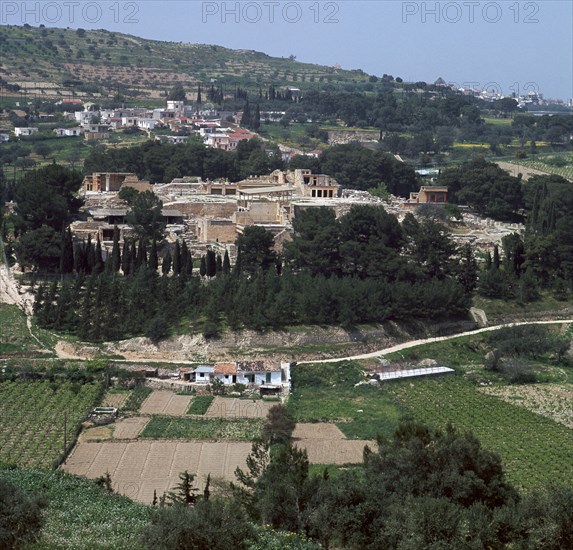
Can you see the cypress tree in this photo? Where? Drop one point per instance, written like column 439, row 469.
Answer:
column 256, row 124
column 226, row 263
column 90, row 255
column 246, row 118
column 132, row 258
column 153, row 261
column 98, row 262
column 67, row 256
column 141, row 254
column 184, row 257
column 115, row 261
column 210, row 264
column 166, row 263
column 199, row 95
column 488, row 260
column 126, row 258
column 238, row 263
column 496, row 260
column 177, row 259
column 203, row 267
column 219, row 265
column 189, row 264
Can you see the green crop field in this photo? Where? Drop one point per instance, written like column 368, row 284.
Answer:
column 326, row 393
column 163, row 427
column 200, row 404
column 535, row 450
column 34, row 416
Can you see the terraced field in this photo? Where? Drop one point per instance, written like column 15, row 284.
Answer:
column 138, row 468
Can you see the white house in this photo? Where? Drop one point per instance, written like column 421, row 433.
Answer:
column 249, row 372
column 69, row 132
column 259, row 372
column 146, row 123
column 203, row 374
column 25, row 131
column 129, row 121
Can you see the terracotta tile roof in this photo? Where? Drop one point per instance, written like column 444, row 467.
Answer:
column 225, row 368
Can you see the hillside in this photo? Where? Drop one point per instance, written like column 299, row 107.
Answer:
column 102, row 63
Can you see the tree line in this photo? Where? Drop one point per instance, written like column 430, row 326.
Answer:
column 363, row 268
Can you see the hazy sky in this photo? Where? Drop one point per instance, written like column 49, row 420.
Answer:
column 509, row 45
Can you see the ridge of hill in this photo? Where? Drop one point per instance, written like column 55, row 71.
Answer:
column 101, row 63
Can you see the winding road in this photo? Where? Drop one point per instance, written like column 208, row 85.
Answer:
column 414, row 343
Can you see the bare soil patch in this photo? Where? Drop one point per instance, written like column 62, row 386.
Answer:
column 165, row 402
column 515, row 169
column 325, row 444
column 550, row 400
column 137, row 468
column 97, row 433
column 330, row 451
column 227, row 407
column 116, row 400
column 319, row 431
column 129, row 428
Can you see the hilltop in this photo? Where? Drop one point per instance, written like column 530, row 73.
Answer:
column 103, row 63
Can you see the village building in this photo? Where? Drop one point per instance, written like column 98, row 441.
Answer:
column 25, row 131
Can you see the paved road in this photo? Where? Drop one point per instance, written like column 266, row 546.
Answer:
column 414, row 343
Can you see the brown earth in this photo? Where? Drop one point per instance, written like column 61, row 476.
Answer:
column 130, row 427
column 227, row 407
column 137, row 468
column 325, row 444
column 165, row 402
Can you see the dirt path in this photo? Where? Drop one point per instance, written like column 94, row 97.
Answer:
column 414, row 343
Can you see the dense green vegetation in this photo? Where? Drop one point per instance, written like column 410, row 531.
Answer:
column 364, row 267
